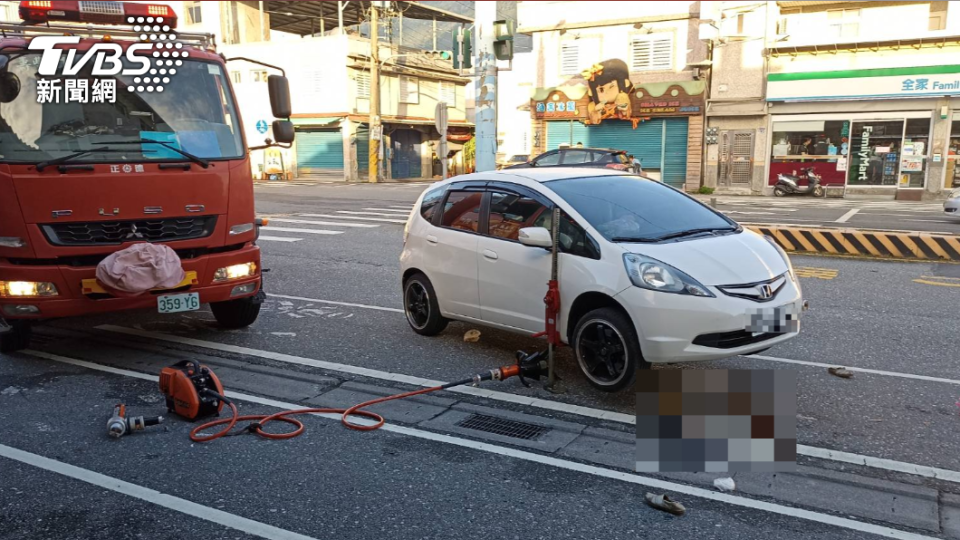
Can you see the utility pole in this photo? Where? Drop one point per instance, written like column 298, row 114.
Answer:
column 375, row 128
column 486, row 149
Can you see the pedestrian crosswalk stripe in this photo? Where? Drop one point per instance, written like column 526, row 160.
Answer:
column 351, row 212
column 327, row 223
column 392, row 210
column 278, row 238
column 385, row 220
column 271, row 228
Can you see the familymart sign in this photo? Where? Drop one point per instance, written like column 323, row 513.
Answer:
column 864, row 83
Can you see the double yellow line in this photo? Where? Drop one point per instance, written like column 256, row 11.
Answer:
column 896, row 245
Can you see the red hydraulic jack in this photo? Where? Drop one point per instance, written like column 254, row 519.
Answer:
column 551, row 304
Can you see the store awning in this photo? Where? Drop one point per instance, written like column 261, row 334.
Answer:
column 304, row 18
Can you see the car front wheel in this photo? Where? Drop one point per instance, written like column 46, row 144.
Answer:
column 16, row 338
column 238, row 313
column 421, row 307
column 607, row 349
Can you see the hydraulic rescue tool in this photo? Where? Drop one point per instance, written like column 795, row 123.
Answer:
column 193, row 391
column 119, row 425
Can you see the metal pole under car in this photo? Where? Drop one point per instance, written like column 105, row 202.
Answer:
column 552, row 301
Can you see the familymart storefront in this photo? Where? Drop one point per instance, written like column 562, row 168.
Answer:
column 884, row 132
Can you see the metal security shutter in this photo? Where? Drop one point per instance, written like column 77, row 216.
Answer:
column 674, row 171
column 559, row 133
column 319, row 152
column 645, row 142
column 363, row 151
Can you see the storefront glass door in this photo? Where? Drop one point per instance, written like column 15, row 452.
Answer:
column 875, row 152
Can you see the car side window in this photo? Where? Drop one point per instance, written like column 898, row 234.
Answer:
column 574, row 157
column 510, row 212
column 462, row 210
column 428, row 207
column 573, row 238
column 549, row 159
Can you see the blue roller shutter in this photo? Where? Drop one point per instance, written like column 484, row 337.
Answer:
column 363, row 151
column 319, row 152
column 674, row 171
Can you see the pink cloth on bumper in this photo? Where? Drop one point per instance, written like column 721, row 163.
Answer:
column 139, row 268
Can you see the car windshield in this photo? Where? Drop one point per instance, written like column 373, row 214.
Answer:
column 194, row 113
column 631, row 209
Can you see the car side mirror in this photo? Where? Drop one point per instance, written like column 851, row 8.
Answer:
column 283, row 131
column 535, row 237
column 279, row 88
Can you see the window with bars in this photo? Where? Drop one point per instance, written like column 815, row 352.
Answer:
column 447, row 92
column 409, row 90
column 651, row 52
column 577, row 55
column 363, row 85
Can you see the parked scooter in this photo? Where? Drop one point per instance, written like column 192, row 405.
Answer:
column 789, row 184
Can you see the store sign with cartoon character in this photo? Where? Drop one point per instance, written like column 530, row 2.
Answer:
column 609, row 91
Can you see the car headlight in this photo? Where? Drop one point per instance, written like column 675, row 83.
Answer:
column 652, row 274
column 23, row 289
column 236, row 271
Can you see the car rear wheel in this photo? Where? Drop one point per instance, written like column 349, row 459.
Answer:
column 16, row 338
column 421, row 307
column 607, row 349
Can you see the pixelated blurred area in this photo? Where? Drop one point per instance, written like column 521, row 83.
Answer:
column 717, row 420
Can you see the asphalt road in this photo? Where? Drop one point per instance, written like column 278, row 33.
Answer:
column 335, row 301
column 849, row 213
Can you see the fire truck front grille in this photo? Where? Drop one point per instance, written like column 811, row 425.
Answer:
column 96, row 233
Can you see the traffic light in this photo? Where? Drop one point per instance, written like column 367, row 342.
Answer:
column 462, row 49
column 503, row 39
column 439, row 55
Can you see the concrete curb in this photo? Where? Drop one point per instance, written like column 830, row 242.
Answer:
column 880, row 244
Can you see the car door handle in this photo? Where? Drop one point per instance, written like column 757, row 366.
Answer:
column 432, row 239
column 490, row 254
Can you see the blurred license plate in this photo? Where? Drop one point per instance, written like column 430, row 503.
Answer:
column 773, row 320
column 174, row 303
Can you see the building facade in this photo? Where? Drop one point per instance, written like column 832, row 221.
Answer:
column 866, row 93
column 329, row 77
column 628, row 75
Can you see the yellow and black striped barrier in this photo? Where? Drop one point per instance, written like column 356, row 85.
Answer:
column 887, row 244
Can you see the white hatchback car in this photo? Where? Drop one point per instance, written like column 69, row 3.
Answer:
column 646, row 273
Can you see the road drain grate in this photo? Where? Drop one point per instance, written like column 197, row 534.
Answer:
column 499, row 426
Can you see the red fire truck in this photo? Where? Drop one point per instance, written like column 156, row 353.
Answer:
column 86, row 171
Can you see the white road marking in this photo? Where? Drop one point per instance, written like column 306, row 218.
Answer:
column 823, row 453
column 392, row 210
column 407, row 208
column 846, row 217
column 631, row 478
column 305, row 231
column 855, row 368
column 278, row 238
column 364, row 306
column 333, row 223
column 329, row 216
column 151, row 496
column 354, row 213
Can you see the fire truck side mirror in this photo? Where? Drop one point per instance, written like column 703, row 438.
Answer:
column 279, row 89
column 283, row 131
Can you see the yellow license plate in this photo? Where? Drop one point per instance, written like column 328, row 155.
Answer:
column 90, row 286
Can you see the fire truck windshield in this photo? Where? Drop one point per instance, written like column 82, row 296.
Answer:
column 194, row 112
